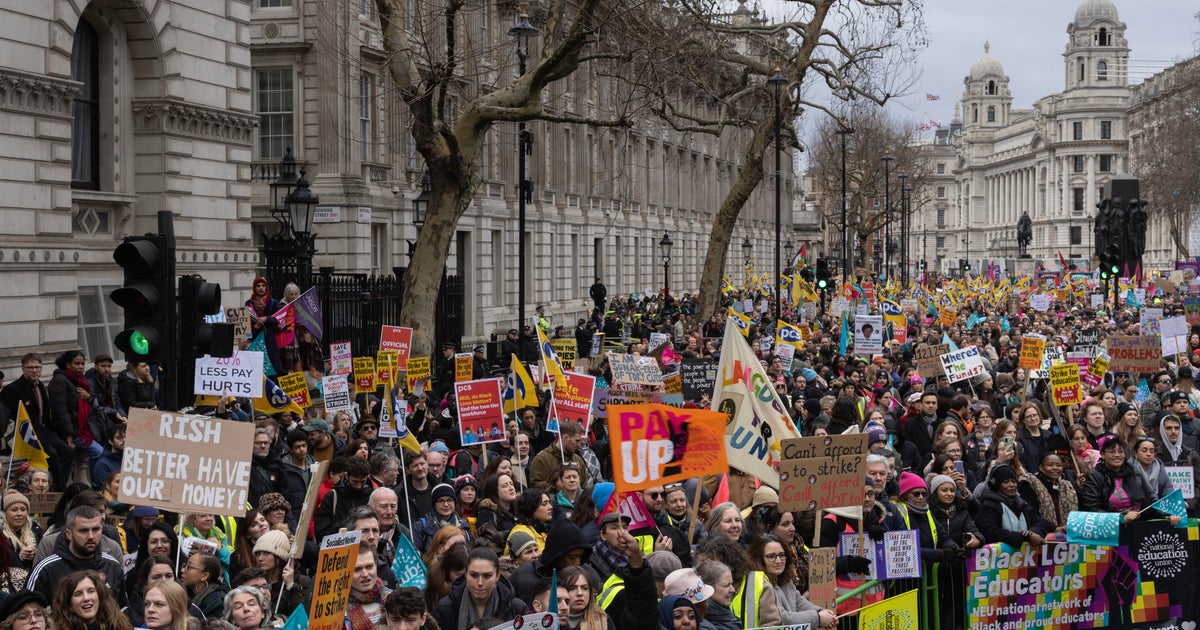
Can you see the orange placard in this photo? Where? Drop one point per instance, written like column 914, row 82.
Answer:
column 657, row 444
column 1032, row 349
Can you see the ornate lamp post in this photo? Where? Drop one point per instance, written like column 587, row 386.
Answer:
column 522, row 31
column 665, row 245
column 777, row 81
column 887, row 213
column 844, row 131
column 288, row 253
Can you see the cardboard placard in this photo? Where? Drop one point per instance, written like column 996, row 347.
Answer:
column 316, row 476
column 628, row 369
column 1032, row 349
column 822, row 577
column 655, row 445
column 396, row 338
column 43, row 503
column 480, row 411
column 240, row 375
column 239, row 316
column 295, row 385
column 364, row 374
column 1064, row 384
column 821, row 482
column 418, row 368
column 186, row 463
column 464, row 366
column 929, row 363
column 963, row 364
column 1134, row 353
column 336, row 390
column 331, row 586
column 1039, row 302
column 831, row 446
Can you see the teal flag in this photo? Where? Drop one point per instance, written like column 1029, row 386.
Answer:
column 407, row 565
column 845, row 334
column 260, row 345
column 950, row 342
column 1173, row 505
column 298, row 620
column 1093, row 528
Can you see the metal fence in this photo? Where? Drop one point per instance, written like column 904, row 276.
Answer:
column 355, row 305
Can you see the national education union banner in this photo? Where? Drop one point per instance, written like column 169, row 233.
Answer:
column 1147, row 581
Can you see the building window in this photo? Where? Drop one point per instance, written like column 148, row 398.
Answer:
column 1078, row 163
column 941, row 168
column 366, row 107
column 1106, row 163
column 941, row 217
column 100, row 319
column 85, row 109
column 273, row 4
column 273, row 100
column 1077, row 130
column 1077, row 199
column 991, row 88
column 991, row 114
column 975, row 114
column 941, row 242
column 1081, row 70
column 1103, row 38
column 1106, row 130
column 1076, row 235
column 941, row 192
column 1102, row 71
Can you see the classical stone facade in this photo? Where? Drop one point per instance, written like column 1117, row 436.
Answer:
column 112, row 110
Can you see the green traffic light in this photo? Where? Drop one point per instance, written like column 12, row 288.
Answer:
column 1114, row 270
column 138, row 342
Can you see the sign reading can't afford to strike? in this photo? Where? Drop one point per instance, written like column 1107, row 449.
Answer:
column 186, row 463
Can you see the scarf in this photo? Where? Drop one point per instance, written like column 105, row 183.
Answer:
column 1010, row 520
column 85, row 407
column 467, row 615
column 357, row 615
column 1150, row 474
column 614, row 559
column 1067, row 501
column 1173, row 449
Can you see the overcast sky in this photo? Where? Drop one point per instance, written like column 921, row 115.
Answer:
column 1028, row 37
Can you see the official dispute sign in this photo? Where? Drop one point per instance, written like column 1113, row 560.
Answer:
column 464, row 366
column 657, row 444
column 331, row 587
column 396, row 338
column 186, row 463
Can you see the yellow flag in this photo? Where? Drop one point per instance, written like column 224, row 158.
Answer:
column 273, row 400
column 521, row 390
column 550, row 358
column 741, row 321
column 27, row 445
column 893, row 613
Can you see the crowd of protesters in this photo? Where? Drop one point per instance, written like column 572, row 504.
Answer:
column 980, row 461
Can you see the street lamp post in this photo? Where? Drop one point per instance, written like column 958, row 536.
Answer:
column 665, row 244
column 887, row 213
column 288, row 253
column 787, row 253
column 903, row 222
column 844, row 131
column 523, row 31
column 747, row 247
column 420, row 207
column 777, row 81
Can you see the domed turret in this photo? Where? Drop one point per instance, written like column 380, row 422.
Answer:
column 1092, row 10
column 986, row 66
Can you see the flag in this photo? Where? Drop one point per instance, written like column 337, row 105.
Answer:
column 741, row 321
column 521, row 391
column 932, row 97
column 407, row 565
column 786, row 333
column 633, row 507
column 1143, row 392
column 394, row 412
column 893, row 613
column 286, row 316
column 1005, row 325
column 273, row 401
column 308, row 312
column 550, row 358
column 259, row 344
column 27, row 445
column 950, row 342
column 759, row 419
column 298, row 620
column 1173, row 505
column 845, row 335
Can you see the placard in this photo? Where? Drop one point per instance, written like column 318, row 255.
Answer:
column 1184, row 478
column 1191, row 309
column 364, row 374
column 673, row 384
column 331, row 586
column 396, row 338
column 565, row 348
column 186, row 463
column 1174, row 335
column 239, row 316
column 572, row 400
column 480, row 411
column 295, row 385
column 657, row 339
column 1064, row 384
column 385, row 366
column 808, row 484
column 1085, row 337
column 240, row 375
column 698, row 376
column 1151, row 319
column 464, row 366
column 336, row 391
column 43, row 503
column 868, row 335
column 627, row 369
column 1096, row 300
column 1096, row 370
column 597, row 344
column 929, row 363
column 1134, row 353
column 962, row 364
column 1039, row 302
column 340, row 358
column 895, row 557
column 316, row 475
column 786, row 354
column 418, row 368
column 822, row 577
column 1032, row 349
column 908, row 305
column 654, row 445
column 948, row 316
column 828, row 446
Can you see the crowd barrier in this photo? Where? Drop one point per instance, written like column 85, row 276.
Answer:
column 1149, row 580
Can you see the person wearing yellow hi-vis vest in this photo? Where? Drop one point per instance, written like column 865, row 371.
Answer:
column 743, row 596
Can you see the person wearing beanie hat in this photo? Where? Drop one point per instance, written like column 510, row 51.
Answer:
column 22, row 531
column 522, row 548
column 444, row 514
column 1003, row 516
column 272, row 552
column 957, row 535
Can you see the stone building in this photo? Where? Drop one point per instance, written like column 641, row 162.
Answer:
column 126, row 107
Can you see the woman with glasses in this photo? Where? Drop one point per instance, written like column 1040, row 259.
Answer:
column 201, row 576
column 203, row 526
column 25, row 610
column 534, row 510
column 444, row 513
column 769, row 555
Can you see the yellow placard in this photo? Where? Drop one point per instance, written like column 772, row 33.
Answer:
column 464, row 365
column 386, row 363
column 364, row 374
column 418, row 368
column 296, row 387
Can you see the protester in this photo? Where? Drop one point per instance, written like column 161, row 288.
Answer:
column 481, row 592
column 82, row 601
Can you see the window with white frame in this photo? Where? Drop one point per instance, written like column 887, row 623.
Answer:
column 100, row 319
column 273, row 104
column 273, row 4
column 366, row 107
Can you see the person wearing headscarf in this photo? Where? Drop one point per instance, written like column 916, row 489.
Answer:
column 676, row 612
column 1173, row 452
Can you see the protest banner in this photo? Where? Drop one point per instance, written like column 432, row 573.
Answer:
column 868, row 335
column 43, row 503
column 963, row 364
column 239, row 316
column 1134, row 353
column 1183, row 478
column 698, row 376
column 1174, row 332
column 1146, row 581
column 331, row 586
column 825, row 446
column 340, row 359
column 626, row 368
column 1032, row 349
column 419, row 368
column 316, row 474
column 895, row 557
column 1039, row 302
column 364, row 374
column 240, row 375
column 928, row 363
column 1094, row 375
column 822, row 582
column 385, row 366
column 900, row 612
column 186, row 463
column 336, row 391
column 572, row 400
column 1151, row 319
column 295, row 385
column 673, row 383
column 396, row 338
column 821, row 482
column 480, row 411
column 654, row 445
column 948, row 316
column 1064, row 385
column 565, row 348
column 464, row 366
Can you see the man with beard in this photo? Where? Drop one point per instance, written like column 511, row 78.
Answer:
column 266, row 471
column 78, row 549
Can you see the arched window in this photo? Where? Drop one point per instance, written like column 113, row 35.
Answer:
column 975, row 114
column 1102, row 71
column 1102, row 38
column 991, row 88
column 85, row 110
column 991, row 114
column 1081, row 70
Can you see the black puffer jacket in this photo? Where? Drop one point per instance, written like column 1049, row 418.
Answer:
column 508, row 605
column 990, row 518
column 563, row 538
column 1101, row 481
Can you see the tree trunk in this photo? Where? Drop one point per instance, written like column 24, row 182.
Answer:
column 722, row 230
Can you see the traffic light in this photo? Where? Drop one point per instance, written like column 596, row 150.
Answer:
column 198, row 298
column 147, row 297
column 967, row 265
column 1110, row 261
column 922, row 265
column 822, row 274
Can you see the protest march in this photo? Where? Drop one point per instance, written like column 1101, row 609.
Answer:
column 979, row 452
